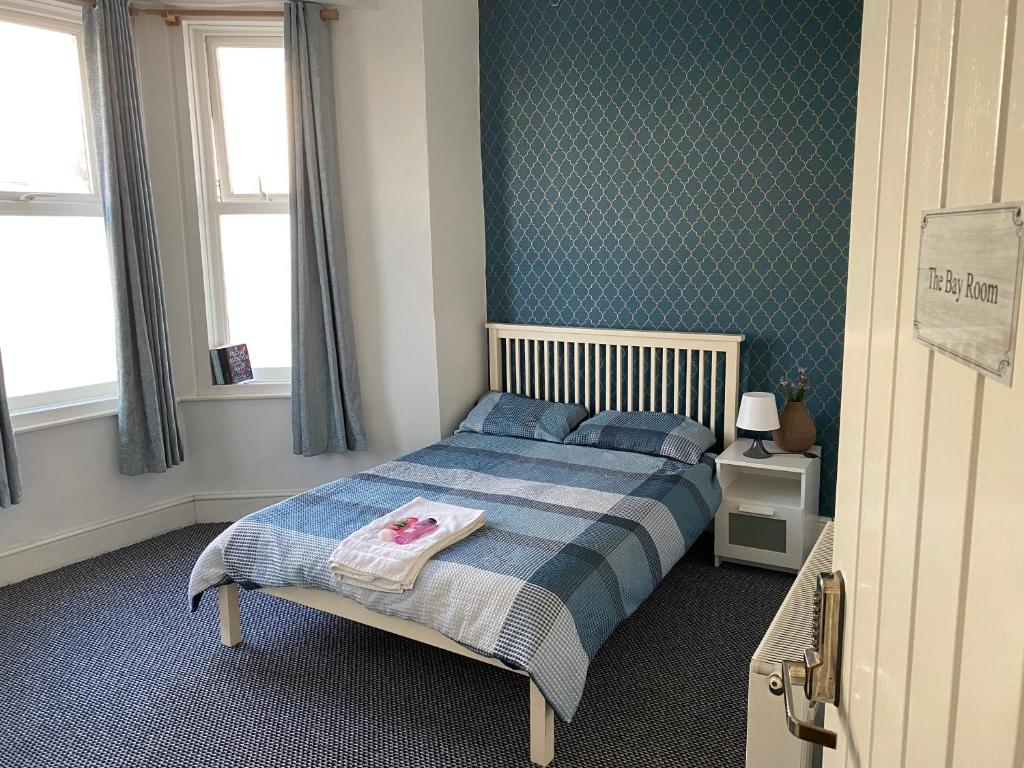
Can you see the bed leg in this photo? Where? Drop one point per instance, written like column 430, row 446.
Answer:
column 542, row 728
column 230, row 618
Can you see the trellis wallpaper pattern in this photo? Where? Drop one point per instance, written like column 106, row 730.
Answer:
column 679, row 165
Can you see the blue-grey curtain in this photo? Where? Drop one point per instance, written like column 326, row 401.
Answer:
column 325, row 386
column 10, row 480
column 150, row 437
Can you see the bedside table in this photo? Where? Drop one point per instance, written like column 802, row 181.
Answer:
column 769, row 512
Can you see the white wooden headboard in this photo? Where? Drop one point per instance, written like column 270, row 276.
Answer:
column 696, row 374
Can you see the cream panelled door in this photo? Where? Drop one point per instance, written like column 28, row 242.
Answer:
column 930, row 512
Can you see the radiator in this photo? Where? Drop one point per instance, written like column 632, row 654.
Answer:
column 769, row 743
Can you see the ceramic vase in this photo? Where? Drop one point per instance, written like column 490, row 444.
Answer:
column 796, row 430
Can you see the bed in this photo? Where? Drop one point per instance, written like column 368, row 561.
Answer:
column 576, row 537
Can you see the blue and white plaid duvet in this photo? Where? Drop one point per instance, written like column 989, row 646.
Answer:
column 575, row 539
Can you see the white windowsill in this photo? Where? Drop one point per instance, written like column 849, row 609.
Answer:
column 228, row 396
column 62, row 414
column 44, row 417
column 258, row 389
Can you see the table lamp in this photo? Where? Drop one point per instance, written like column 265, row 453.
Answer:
column 758, row 414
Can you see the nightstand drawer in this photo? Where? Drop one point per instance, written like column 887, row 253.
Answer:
column 761, row 530
column 759, row 533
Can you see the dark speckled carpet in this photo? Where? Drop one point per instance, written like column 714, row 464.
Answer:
column 102, row 665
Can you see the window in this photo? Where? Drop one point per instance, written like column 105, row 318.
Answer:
column 56, row 307
column 237, row 89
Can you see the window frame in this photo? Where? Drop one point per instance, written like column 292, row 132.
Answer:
column 58, row 17
column 223, row 189
column 214, row 200
column 56, row 203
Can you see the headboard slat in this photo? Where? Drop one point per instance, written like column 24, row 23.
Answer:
column 538, row 368
column 576, row 369
column 558, row 372
column 567, row 372
column 519, row 389
column 618, row 378
column 528, row 367
column 607, row 377
column 629, row 377
column 640, row 380
column 689, row 386
column 501, row 380
column 700, row 387
column 664, row 379
column 586, row 375
column 714, row 387
column 534, row 354
column 652, row 406
column 676, row 373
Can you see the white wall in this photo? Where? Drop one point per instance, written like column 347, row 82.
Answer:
column 72, row 483
column 452, row 56
column 408, row 113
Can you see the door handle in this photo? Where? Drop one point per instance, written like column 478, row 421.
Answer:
column 818, row 673
column 794, row 675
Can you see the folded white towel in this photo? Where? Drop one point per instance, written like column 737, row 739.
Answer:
column 366, row 561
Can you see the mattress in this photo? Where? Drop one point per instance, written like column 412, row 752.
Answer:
column 575, row 539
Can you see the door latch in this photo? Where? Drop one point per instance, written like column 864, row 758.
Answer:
column 819, row 672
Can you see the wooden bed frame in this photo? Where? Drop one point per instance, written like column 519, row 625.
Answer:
column 692, row 373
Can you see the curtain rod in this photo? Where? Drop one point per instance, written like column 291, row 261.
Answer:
column 173, row 16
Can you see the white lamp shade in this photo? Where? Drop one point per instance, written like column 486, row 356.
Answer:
column 758, row 412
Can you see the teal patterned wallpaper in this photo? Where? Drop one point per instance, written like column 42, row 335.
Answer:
column 679, row 165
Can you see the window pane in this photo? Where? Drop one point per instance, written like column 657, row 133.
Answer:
column 252, row 94
column 255, row 250
column 56, row 312
column 42, row 133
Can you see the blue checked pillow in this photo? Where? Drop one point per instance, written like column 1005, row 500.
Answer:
column 499, row 413
column 657, row 434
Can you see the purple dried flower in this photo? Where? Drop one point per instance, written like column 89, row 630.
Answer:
column 797, row 388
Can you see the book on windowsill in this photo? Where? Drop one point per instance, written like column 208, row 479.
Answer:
column 230, row 364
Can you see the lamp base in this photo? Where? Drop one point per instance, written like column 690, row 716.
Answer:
column 757, row 450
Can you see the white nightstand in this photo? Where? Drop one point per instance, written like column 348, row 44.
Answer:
column 769, row 512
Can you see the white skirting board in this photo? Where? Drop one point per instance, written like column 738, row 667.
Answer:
column 37, row 557
column 31, row 559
